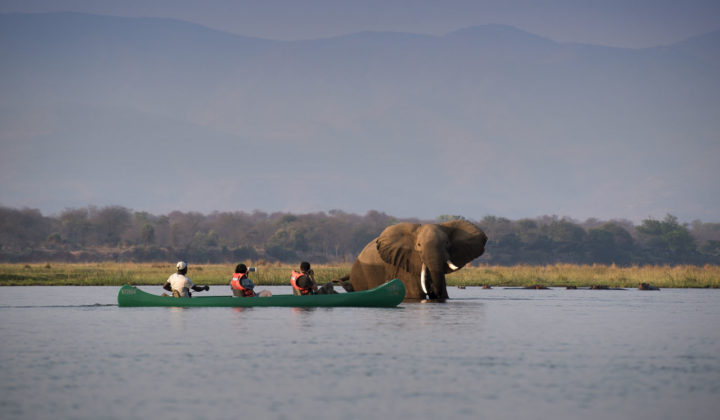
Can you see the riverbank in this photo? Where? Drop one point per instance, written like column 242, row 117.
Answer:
column 562, row 275
column 558, row 275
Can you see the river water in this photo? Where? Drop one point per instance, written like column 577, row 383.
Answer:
column 70, row 352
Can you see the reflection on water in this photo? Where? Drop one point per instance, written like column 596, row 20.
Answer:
column 483, row 354
column 177, row 321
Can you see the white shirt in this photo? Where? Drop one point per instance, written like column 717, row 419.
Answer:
column 178, row 281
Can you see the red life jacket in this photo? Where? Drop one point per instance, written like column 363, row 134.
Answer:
column 293, row 282
column 236, row 285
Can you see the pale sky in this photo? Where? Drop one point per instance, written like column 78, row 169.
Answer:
column 656, row 158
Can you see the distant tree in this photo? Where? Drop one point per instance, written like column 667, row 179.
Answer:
column 707, row 236
column 449, row 217
column 531, row 235
column 564, row 231
column 705, row 231
column 134, row 233
column 161, row 225
column 109, row 224
column 289, row 237
column 183, row 227
column 148, row 234
column 116, row 233
column 497, row 226
column 288, row 219
column 54, row 239
column 667, row 240
column 360, row 236
column 244, row 253
column 76, row 226
column 234, row 229
column 211, row 239
column 601, row 246
column 24, row 228
column 527, row 225
column 610, row 243
column 281, row 253
column 623, row 239
column 711, row 248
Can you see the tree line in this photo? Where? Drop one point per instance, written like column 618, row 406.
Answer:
column 116, row 233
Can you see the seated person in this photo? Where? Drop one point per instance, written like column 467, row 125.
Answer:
column 180, row 285
column 240, row 284
column 303, row 282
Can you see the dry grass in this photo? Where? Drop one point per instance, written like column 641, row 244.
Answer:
column 686, row 276
column 116, row 274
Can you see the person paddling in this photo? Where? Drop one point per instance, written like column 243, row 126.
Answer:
column 180, row 284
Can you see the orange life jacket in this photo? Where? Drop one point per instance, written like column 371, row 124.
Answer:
column 293, row 282
column 236, row 285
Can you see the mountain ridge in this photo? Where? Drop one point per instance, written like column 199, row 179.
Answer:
column 431, row 113
column 492, row 29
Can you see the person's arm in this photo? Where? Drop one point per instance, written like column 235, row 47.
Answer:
column 194, row 287
column 304, row 282
column 247, row 283
column 311, row 276
column 167, row 286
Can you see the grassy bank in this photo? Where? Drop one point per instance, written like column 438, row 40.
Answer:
column 559, row 275
column 117, row 274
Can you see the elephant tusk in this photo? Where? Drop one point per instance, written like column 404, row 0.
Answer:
column 452, row 266
column 422, row 279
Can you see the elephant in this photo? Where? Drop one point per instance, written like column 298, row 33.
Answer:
column 420, row 255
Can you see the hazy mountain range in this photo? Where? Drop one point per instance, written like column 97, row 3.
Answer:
column 157, row 115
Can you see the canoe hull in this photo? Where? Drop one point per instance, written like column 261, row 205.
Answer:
column 386, row 295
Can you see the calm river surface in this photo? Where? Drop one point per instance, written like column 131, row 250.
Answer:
column 70, row 352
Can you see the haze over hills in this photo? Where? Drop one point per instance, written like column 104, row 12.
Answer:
column 158, row 115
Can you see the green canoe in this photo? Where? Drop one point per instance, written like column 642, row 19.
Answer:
column 386, row 295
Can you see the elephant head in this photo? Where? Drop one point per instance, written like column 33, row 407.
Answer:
column 430, row 251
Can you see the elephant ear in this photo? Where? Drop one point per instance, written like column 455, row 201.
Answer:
column 396, row 246
column 467, row 241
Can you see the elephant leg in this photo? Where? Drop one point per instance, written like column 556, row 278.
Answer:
column 413, row 289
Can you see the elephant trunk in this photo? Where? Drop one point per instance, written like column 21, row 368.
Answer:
column 432, row 282
column 439, row 285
